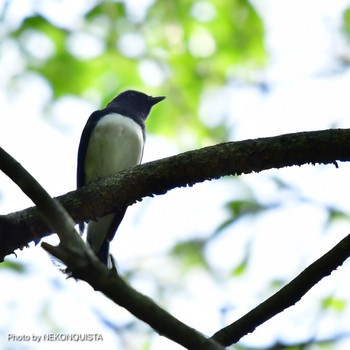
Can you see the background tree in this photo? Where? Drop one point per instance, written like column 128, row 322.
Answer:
column 207, row 57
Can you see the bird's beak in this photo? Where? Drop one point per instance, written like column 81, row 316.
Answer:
column 155, row 100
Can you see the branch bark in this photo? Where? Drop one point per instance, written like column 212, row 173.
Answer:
column 83, row 264
column 289, row 295
column 186, row 169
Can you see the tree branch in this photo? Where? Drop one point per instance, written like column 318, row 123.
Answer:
column 258, row 155
column 83, row 264
column 55, row 216
column 155, row 178
column 289, row 295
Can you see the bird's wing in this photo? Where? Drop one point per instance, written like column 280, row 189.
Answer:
column 83, row 145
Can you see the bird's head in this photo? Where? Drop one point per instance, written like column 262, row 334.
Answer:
column 132, row 102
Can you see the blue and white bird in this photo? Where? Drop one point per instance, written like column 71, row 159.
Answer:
column 112, row 140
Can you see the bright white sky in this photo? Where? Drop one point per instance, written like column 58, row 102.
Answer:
column 307, row 93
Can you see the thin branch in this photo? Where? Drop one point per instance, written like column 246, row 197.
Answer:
column 186, row 169
column 287, row 296
column 52, row 212
column 114, row 287
column 267, row 153
column 55, row 216
column 83, row 264
column 315, row 341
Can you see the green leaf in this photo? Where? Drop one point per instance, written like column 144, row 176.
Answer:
column 14, row 266
column 332, row 303
column 238, row 209
column 336, row 214
column 190, row 253
column 241, row 268
column 346, row 22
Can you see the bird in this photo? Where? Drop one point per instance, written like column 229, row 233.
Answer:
column 112, row 140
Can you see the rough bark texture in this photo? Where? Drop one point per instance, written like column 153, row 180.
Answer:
column 186, row 169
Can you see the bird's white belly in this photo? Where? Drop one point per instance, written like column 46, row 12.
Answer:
column 116, row 143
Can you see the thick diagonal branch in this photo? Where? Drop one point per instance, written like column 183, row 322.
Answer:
column 83, row 264
column 155, row 178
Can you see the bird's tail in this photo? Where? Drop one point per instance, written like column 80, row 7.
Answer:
column 101, row 232
column 103, row 252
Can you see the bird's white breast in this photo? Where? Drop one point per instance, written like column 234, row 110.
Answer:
column 115, row 144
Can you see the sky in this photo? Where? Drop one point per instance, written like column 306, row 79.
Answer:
column 306, row 91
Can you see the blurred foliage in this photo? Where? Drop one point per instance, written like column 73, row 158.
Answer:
column 178, row 48
column 238, row 209
column 190, row 253
column 346, row 22
column 346, row 31
column 335, row 304
column 241, row 268
column 182, row 49
column 13, row 266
